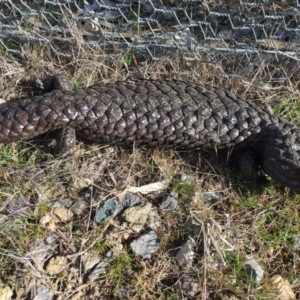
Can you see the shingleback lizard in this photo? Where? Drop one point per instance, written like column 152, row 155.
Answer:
column 158, row 113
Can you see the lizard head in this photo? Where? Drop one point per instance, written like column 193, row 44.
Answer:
column 282, row 155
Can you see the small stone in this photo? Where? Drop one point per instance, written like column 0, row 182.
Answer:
column 154, row 219
column 107, row 210
column 45, row 219
column 270, row 251
column 42, row 293
column 210, row 197
column 125, row 236
column 136, row 228
column 184, row 177
column 116, row 235
column 186, row 254
column 63, row 214
column 101, row 267
column 46, row 195
column 89, row 260
column 254, row 269
column 62, row 202
column 231, row 279
column 81, row 183
column 72, row 278
column 130, row 200
column 197, row 196
column 56, row 265
column 122, row 293
column 51, row 239
column 169, row 202
column 146, row 244
column 297, row 242
column 18, row 206
column 52, row 226
column 280, row 288
column 6, row 293
column 92, row 192
column 78, row 207
column 190, row 284
column 195, row 230
column 149, row 188
column 230, row 296
column 3, row 218
column 117, row 249
column 137, row 214
column 48, row 221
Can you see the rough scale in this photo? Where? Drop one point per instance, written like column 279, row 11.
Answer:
column 169, row 114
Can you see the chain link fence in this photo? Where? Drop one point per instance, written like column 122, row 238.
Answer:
column 237, row 37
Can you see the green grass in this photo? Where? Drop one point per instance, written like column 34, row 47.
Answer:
column 289, row 109
column 18, row 154
column 128, row 60
column 185, row 189
column 117, row 273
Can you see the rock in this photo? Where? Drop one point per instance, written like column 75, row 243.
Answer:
column 117, row 235
column 150, row 188
column 46, row 195
column 50, row 239
column 89, row 260
column 229, row 296
column 297, row 242
column 186, row 254
column 280, row 288
column 169, row 202
column 107, row 210
column 5, row 293
column 56, row 265
column 78, row 207
column 92, row 192
column 136, row 228
column 45, row 219
column 62, row 202
column 137, row 214
column 72, row 278
column 101, row 267
column 190, row 284
column 117, row 249
column 80, row 183
column 63, row 214
column 210, row 197
column 130, row 200
column 184, row 177
column 154, row 219
column 122, row 293
column 3, row 218
column 146, row 244
column 48, row 221
column 18, row 207
column 42, row 293
column 254, row 269
column 195, row 229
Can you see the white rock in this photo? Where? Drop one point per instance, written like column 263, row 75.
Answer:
column 186, row 254
column 56, row 265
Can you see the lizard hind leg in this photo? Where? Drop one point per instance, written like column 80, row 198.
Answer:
column 249, row 165
column 65, row 140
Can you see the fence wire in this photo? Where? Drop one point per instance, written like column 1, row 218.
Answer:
column 238, row 36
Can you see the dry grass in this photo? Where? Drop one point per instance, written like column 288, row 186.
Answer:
column 247, row 219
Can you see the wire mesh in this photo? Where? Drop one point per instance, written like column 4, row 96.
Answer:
column 237, row 36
